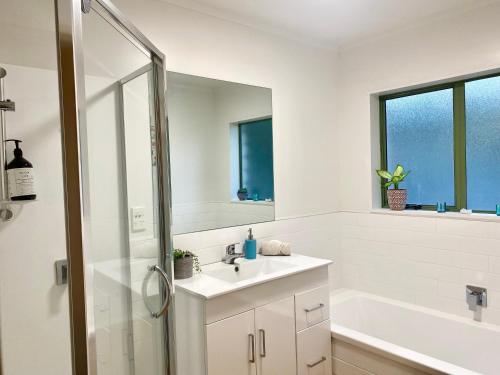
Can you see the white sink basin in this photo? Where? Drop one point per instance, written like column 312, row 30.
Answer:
column 248, row 270
column 218, row 278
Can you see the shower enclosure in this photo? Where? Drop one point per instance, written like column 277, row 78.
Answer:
column 112, row 122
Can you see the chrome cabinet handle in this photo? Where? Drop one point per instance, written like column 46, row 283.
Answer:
column 163, row 275
column 262, row 335
column 311, row 309
column 323, row 359
column 251, row 343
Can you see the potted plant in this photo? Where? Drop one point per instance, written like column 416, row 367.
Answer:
column 242, row 194
column 396, row 197
column 184, row 263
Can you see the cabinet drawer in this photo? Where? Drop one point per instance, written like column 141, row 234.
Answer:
column 312, row 307
column 314, row 350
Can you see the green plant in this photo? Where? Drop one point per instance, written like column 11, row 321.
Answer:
column 180, row 254
column 394, row 178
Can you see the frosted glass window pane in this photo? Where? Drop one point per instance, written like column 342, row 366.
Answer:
column 482, row 101
column 420, row 137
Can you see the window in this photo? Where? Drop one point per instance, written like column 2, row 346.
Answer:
column 482, row 104
column 256, row 158
column 449, row 137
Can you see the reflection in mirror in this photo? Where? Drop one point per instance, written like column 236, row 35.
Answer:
column 221, row 153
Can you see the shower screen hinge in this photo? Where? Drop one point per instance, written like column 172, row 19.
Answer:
column 86, row 6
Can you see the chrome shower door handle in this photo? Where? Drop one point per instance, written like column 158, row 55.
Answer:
column 168, row 299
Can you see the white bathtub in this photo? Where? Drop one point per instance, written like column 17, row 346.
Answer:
column 416, row 335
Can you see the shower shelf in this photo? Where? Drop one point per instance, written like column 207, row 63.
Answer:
column 18, row 203
column 7, row 206
column 10, row 209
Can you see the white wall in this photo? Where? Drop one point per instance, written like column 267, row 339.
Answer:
column 301, row 77
column 451, row 47
column 422, row 260
column 34, row 311
column 193, row 144
column 140, row 178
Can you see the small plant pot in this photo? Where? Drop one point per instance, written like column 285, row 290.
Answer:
column 183, row 268
column 397, row 199
column 242, row 196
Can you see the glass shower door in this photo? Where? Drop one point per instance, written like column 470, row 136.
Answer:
column 125, row 199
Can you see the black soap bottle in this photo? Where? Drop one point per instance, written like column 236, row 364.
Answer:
column 20, row 176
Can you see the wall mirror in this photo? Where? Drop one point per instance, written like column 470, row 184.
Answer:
column 221, row 153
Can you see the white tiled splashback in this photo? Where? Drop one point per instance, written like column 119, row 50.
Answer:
column 427, row 261
column 422, row 260
column 191, row 217
column 312, row 235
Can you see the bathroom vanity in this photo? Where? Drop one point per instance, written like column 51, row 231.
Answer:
column 271, row 317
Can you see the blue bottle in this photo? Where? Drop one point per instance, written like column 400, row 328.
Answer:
column 441, row 207
column 250, row 246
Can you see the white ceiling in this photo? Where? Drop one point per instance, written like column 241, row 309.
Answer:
column 329, row 23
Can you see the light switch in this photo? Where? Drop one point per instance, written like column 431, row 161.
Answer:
column 138, row 219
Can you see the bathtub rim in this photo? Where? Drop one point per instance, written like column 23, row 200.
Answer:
column 392, row 351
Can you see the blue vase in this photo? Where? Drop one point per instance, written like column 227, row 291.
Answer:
column 441, row 207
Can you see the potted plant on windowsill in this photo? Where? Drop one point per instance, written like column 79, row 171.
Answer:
column 184, row 263
column 396, row 197
column 242, row 194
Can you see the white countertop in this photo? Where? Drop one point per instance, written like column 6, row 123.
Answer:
column 206, row 286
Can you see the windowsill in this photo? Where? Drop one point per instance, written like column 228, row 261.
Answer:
column 434, row 214
column 260, row 203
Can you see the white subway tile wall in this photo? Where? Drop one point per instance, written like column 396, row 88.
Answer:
column 195, row 217
column 311, row 235
column 421, row 260
column 427, row 261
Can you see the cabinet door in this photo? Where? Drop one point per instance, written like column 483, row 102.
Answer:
column 231, row 346
column 314, row 350
column 275, row 333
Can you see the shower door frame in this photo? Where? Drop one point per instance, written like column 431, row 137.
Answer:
column 69, row 14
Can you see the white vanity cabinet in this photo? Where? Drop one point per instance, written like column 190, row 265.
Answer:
column 279, row 327
column 260, row 341
column 312, row 316
column 231, row 345
column 275, row 335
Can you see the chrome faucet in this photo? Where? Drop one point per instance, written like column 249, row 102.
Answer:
column 476, row 297
column 231, row 254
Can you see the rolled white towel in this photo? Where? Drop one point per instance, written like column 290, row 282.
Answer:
column 275, row 247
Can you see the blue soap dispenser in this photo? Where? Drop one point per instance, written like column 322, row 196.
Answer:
column 250, row 246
